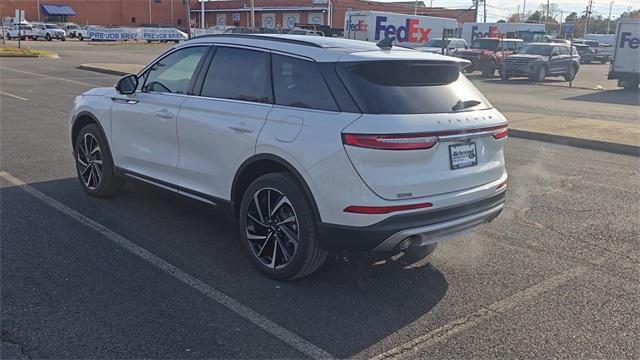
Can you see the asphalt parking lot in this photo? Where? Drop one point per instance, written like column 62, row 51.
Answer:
column 148, row 274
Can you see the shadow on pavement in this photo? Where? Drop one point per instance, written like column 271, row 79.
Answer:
column 618, row 97
column 354, row 301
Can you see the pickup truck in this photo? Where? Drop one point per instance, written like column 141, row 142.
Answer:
column 49, row 32
column 486, row 54
column 625, row 66
column 22, row 31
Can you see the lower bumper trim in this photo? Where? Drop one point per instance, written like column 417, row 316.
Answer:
column 437, row 232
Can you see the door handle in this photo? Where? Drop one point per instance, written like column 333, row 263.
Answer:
column 241, row 128
column 124, row 101
column 164, row 114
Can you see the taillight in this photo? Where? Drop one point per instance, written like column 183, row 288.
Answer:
column 419, row 141
column 357, row 209
column 391, row 142
column 501, row 133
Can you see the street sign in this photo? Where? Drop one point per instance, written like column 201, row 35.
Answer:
column 569, row 29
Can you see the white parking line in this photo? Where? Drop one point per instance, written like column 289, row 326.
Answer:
column 244, row 311
column 13, row 96
column 49, row 77
column 419, row 345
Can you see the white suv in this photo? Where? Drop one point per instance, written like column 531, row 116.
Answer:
column 313, row 143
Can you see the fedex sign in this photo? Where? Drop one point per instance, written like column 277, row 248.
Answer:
column 410, row 31
column 493, row 32
column 626, row 38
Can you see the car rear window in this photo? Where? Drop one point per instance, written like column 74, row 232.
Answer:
column 410, row 87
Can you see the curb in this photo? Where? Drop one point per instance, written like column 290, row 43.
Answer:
column 102, row 70
column 616, row 148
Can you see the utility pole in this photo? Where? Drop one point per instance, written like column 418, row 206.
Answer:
column 415, row 8
column 484, row 2
column 518, row 12
column 561, row 20
column 38, row 10
column 171, row 12
column 253, row 14
column 201, row 14
column 586, row 24
column 150, row 12
column 609, row 18
column 524, row 8
column 187, row 9
column 546, row 19
column 475, row 4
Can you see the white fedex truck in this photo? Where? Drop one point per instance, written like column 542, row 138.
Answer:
column 524, row 31
column 408, row 30
column 625, row 66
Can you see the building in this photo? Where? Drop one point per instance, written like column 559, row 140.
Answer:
column 285, row 13
column 268, row 13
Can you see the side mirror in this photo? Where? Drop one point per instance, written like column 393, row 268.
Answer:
column 466, row 46
column 127, row 85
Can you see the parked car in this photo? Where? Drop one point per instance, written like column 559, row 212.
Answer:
column 539, row 60
column 486, row 54
column 22, row 31
column 82, row 33
column 311, row 142
column 587, row 55
column 603, row 52
column 49, row 32
column 316, row 30
column 70, row 29
column 305, row 32
column 450, row 46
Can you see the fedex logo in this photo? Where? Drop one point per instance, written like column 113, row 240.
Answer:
column 410, row 32
column 493, row 32
column 633, row 42
column 361, row 25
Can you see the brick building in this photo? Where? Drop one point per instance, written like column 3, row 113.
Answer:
column 268, row 13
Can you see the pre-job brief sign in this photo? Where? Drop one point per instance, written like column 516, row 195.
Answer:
column 114, row 34
column 162, row 34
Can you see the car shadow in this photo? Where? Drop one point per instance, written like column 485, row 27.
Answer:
column 617, row 97
column 353, row 302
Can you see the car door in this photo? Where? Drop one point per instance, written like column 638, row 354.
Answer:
column 564, row 59
column 217, row 130
column 555, row 62
column 143, row 125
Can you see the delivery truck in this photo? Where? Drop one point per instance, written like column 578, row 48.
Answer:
column 408, row 30
column 526, row 32
column 625, row 66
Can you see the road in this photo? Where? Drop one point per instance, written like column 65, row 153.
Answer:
column 145, row 274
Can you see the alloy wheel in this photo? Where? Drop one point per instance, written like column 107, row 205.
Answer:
column 272, row 228
column 90, row 161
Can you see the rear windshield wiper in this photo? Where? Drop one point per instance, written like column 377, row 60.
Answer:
column 460, row 105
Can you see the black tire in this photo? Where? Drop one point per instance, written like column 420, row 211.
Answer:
column 63, row 39
column 48, row 37
column 8, row 36
column 629, row 84
column 80, row 37
column 489, row 69
column 571, row 73
column 540, row 74
column 305, row 253
column 108, row 183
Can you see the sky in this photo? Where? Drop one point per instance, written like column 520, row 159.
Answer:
column 500, row 9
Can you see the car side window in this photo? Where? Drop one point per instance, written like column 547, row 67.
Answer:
column 174, row 72
column 564, row 51
column 239, row 74
column 299, row 83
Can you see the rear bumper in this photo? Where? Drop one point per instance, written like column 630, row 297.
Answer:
column 414, row 229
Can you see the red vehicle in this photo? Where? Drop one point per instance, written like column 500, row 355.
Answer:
column 486, row 54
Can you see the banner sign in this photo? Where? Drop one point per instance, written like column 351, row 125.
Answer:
column 155, row 34
column 113, row 34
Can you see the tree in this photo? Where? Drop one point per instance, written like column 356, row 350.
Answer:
column 536, row 16
column 514, row 18
column 571, row 18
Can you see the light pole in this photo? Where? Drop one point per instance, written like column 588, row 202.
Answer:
column 149, row 12
column 201, row 14
column 38, row 10
column 609, row 18
column 524, row 7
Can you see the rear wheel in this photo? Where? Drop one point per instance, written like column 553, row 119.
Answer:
column 277, row 223
column 629, row 84
column 94, row 163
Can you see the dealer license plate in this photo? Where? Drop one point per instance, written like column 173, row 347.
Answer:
column 463, row 155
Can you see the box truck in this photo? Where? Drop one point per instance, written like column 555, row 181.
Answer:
column 408, row 30
column 625, row 66
column 524, row 31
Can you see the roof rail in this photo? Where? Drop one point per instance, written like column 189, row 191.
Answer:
column 267, row 37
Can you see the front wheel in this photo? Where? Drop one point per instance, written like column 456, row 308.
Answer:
column 571, row 73
column 80, row 37
column 48, row 37
column 489, row 69
column 540, row 75
column 277, row 223
column 94, row 163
